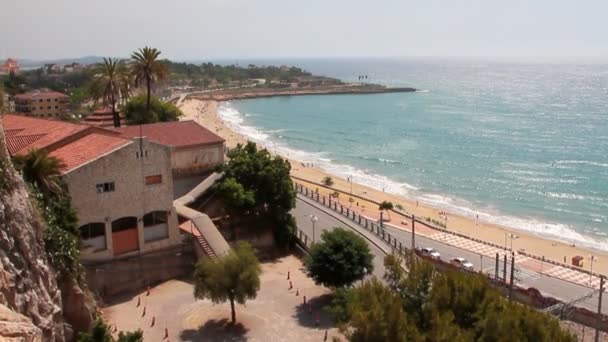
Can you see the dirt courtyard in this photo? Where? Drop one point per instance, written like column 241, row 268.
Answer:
column 277, row 314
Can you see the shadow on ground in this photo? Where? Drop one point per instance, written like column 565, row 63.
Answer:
column 308, row 313
column 216, row 330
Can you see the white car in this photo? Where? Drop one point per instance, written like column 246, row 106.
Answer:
column 430, row 252
column 462, row 263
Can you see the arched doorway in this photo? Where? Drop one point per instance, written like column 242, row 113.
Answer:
column 124, row 235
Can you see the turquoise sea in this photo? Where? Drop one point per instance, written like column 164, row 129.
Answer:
column 518, row 143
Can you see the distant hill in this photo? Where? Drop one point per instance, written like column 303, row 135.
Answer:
column 33, row 64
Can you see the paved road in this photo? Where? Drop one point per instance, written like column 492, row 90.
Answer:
column 551, row 286
column 326, row 221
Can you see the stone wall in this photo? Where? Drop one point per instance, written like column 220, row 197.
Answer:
column 119, row 276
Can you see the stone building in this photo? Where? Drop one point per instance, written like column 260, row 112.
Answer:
column 42, row 103
column 121, row 188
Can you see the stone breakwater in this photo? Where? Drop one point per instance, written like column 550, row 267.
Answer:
column 250, row 93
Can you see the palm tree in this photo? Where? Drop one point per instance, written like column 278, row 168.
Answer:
column 41, row 170
column 111, row 83
column 147, row 69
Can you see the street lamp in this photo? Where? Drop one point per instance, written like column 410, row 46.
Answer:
column 314, row 220
column 511, row 236
column 591, row 260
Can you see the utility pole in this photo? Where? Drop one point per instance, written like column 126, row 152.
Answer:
column 413, row 233
column 504, row 269
column 496, row 269
column 512, row 269
column 599, row 310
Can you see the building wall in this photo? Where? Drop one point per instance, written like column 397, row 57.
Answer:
column 197, row 160
column 131, row 196
column 47, row 107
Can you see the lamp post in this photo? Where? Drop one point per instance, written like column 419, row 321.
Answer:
column 591, row 260
column 364, row 274
column 513, row 236
column 314, row 220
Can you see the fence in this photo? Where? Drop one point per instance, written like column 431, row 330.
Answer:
column 436, row 227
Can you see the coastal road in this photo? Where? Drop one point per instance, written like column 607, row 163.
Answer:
column 302, row 213
column 564, row 290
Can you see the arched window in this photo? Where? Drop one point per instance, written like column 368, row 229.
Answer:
column 124, row 223
column 156, row 226
column 93, row 235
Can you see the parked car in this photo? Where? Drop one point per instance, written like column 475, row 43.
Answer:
column 462, row 263
column 431, row 253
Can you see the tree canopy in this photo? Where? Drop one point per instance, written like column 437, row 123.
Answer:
column 266, row 178
column 136, row 112
column 339, row 259
column 234, row 277
column 436, row 306
column 101, row 333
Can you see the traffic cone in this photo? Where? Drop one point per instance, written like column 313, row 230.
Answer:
column 143, row 313
column 148, row 291
column 297, row 292
column 304, row 300
column 153, row 321
column 287, row 275
column 138, row 301
column 166, row 334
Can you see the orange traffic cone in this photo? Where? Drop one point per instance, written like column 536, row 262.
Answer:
column 166, row 334
column 143, row 313
column 153, row 321
column 138, row 301
column 148, row 291
column 297, row 292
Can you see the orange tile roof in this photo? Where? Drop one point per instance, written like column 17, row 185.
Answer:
column 178, row 134
column 86, row 149
column 25, row 133
column 43, row 94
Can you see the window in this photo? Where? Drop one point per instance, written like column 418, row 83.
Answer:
column 56, row 107
column 48, row 100
column 105, row 187
column 155, row 226
column 155, row 179
column 94, row 235
column 49, row 107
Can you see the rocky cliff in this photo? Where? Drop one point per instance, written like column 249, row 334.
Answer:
column 28, row 285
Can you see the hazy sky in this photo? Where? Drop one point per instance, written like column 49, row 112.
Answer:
column 206, row 29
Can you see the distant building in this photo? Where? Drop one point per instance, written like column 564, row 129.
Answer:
column 42, row 103
column 52, row 68
column 103, row 117
column 9, row 66
column 72, row 67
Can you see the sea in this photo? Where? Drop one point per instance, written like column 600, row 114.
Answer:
column 522, row 144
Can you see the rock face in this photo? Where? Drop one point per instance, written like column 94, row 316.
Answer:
column 28, row 285
column 16, row 327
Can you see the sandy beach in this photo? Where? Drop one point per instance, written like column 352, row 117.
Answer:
column 205, row 112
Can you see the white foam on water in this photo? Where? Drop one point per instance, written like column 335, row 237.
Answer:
column 582, row 162
column 556, row 231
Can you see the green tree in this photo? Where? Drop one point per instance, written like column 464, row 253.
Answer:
column 136, row 111
column 101, row 333
column 147, row 69
column 341, row 258
column 327, row 181
column 234, row 277
column 110, row 84
column 267, row 177
column 386, row 206
column 234, row 194
column 376, row 314
column 41, row 170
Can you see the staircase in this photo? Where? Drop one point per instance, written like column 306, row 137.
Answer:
column 205, row 246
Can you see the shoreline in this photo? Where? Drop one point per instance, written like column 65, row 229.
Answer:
column 205, row 112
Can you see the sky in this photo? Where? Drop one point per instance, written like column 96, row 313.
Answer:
column 217, row 29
